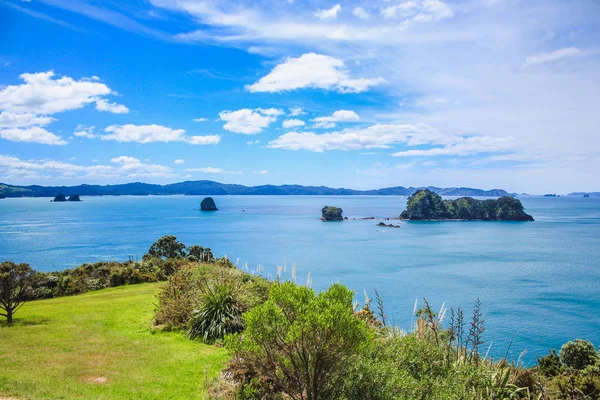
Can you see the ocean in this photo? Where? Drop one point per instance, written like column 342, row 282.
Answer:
column 539, row 282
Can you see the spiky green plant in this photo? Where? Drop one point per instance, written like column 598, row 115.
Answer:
column 218, row 314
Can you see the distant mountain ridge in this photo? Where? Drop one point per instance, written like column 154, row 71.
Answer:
column 216, row 188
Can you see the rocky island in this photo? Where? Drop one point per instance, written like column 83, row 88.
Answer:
column 74, row 197
column 208, row 204
column 59, row 198
column 331, row 213
column 427, row 205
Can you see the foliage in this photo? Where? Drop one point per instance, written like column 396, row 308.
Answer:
column 427, row 205
column 175, row 302
column 14, row 286
column 578, row 354
column 331, row 213
column 200, row 254
column 166, row 247
column 549, row 365
column 299, row 343
column 218, row 314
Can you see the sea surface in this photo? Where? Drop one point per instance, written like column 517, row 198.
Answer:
column 539, row 282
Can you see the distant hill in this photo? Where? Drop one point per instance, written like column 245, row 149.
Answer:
column 580, row 194
column 216, row 188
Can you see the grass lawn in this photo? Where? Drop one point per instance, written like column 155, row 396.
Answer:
column 99, row 345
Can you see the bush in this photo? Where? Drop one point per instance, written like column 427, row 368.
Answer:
column 578, row 354
column 299, row 343
column 550, row 365
column 218, row 314
column 175, row 301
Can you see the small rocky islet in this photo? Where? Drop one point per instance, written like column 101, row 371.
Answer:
column 208, row 204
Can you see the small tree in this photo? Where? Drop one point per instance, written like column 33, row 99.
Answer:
column 578, row 354
column 166, row 247
column 300, row 342
column 14, row 283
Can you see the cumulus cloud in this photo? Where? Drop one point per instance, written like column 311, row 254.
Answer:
column 464, row 147
column 42, row 93
column 84, row 132
column 337, row 116
column 154, row 133
column 123, row 167
column 556, row 55
column 34, row 134
column 292, row 123
column 296, row 111
column 179, row 161
column 20, row 120
column 247, row 121
column 315, row 71
column 329, row 14
column 389, row 135
column 419, row 10
column 104, row 105
column 213, row 170
column 360, row 12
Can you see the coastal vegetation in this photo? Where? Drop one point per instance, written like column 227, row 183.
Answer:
column 14, row 284
column 282, row 340
column 331, row 213
column 208, row 204
column 427, row 205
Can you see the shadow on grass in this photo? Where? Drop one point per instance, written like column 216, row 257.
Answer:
column 25, row 322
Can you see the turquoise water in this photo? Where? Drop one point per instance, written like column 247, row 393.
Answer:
column 538, row 281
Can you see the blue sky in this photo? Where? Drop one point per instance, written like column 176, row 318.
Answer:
column 360, row 94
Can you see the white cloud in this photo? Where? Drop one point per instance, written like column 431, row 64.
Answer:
column 84, row 131
column 296, row 111
column 200, row 119
column 465, row 147
column 179, row 161
column 247, row 121
column 293, row 123
column 154, row 133
column 360, row 12
column 21, row 120
column 312, row 70
column 556, row 55
column 386, row 136
column 251, row 142
column 104, row 105
column 204, row 140
column 41, row 93
column 260, row 172
column 329, row 14
column 34, row 134
column 337, row 116
column 419, row 11
column 213, row 170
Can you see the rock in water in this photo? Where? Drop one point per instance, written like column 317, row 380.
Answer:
column 60, row 198
column 74, row 197
column 427, row 205
column 208, row 204
column 331, row 213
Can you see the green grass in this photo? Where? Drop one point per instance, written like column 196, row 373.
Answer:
column 56, row 349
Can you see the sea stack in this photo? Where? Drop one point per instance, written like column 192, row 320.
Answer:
column 208, row 204
column 331, row 213
column 74, row 197
column 59, row 198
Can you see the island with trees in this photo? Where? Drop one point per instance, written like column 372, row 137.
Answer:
column 59, row 198
column 427, row 205
column 331, row 213
column 208, row 204
column 74, row 197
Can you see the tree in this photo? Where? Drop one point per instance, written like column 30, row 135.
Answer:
column 199, row 253
column 578, row 354
column 14, row 284
column 299, row 342
column 166, row 247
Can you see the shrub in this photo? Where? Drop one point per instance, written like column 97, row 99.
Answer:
column 578, row 354
column 550, row 365
column 218, row 314
column 175, row 301
column 299, row 343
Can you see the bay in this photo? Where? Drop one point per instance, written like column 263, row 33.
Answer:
column 538, row 281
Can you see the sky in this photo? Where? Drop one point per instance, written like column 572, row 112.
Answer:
column 357, row 94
